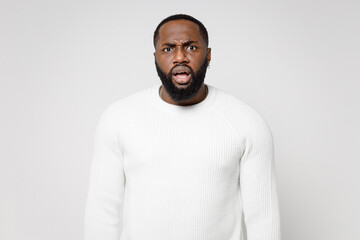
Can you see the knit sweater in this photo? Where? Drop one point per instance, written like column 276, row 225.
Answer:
column 167, row 172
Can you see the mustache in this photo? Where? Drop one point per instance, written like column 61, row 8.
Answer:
column 182, row 65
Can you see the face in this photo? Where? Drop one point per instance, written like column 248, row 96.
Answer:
column 181, row 58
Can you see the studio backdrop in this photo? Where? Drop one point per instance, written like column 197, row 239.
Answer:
column 63, row 62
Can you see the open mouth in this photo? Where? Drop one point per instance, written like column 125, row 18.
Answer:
column 181, row 74
column 182, row 77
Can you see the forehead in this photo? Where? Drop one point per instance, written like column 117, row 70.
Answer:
column 179, row 30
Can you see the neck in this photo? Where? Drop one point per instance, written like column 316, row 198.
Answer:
column 198, row 97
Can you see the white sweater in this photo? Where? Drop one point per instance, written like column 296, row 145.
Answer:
column 167, row 172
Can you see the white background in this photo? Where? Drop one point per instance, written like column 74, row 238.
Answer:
column 63, row 62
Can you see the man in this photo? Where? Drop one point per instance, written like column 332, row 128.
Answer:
column 182, row 160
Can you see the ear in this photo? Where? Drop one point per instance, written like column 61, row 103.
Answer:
column 209, row 55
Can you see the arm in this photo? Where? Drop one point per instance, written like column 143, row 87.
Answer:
column 104, row 204
column 258, row 185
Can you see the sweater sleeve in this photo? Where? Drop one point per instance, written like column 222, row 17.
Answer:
column 104, row 203
column 258, row 184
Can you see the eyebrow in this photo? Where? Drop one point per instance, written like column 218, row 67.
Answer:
column 173, row 44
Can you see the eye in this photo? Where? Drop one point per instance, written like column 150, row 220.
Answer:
column 167, row 49
column 192, row 47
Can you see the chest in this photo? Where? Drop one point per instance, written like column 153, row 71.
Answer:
column 195, row 145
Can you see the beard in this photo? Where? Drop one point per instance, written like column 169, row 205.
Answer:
column 182, row 94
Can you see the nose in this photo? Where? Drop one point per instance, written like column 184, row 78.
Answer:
column 180, row 56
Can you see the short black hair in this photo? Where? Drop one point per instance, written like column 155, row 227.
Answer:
column 203, row 30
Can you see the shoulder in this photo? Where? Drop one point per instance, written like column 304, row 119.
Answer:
column 244, row 118
column 125, row 108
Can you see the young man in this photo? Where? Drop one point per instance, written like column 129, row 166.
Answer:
column 182, row 160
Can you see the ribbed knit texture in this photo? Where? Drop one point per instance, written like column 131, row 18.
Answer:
column 167, row 172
